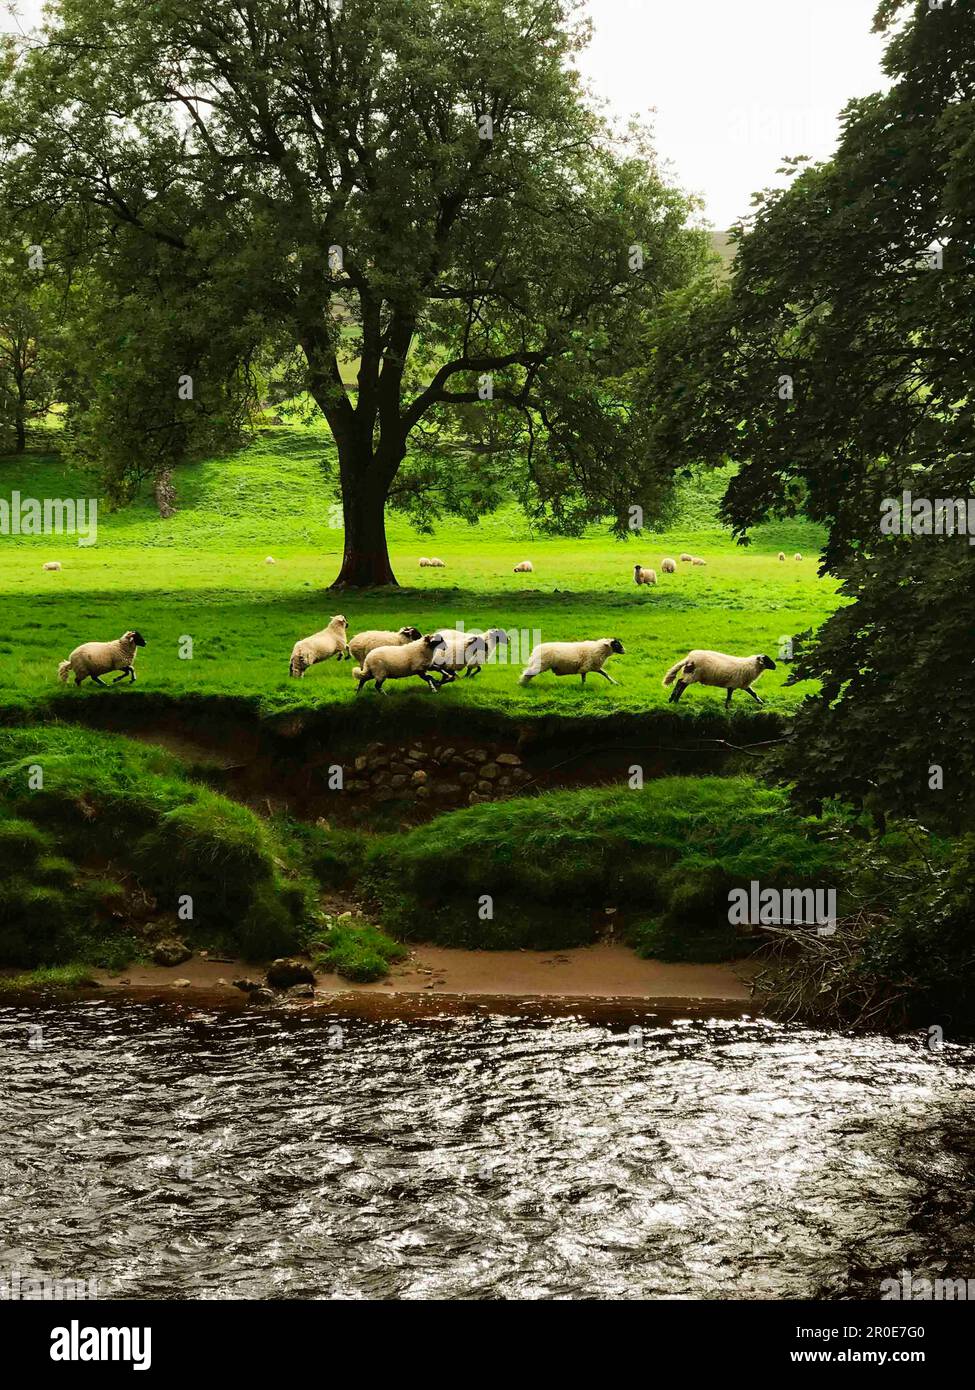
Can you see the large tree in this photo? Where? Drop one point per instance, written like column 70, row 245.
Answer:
column 838, row 370
column 415, row 195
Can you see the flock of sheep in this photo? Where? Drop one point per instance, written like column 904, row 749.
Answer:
column 383, row 656
column 437, row 658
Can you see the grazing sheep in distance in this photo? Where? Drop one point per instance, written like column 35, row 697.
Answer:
column 465, row 651
column 642, row 576
column 51, row 565
column 438, row 564
column 365, row 642
column 96, row 659
column 668, row 565
column 684, row 556
column 331, row 641
column 730, row 673
column 696, row 560
column 525, row 567
column 781, row 554
column 424, row 562
column 572, row 659
column 394, row 663
column 270, row 560
column 798, row 556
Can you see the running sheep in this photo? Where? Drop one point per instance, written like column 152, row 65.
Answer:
column 572, row 659
column 730, row 673
column 668, row 565
column 465, row 651
column 395, row 663
column 642, row 576
column 320, row 646
column 96, row 659
column 365, row 642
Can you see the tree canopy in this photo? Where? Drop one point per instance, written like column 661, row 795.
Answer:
column 837, row 370
column 415, row 197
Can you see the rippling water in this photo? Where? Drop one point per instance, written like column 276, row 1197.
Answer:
column 182, row 1154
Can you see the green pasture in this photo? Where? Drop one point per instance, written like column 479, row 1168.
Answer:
column 203, row 575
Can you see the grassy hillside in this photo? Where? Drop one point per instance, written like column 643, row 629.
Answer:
column 202, row 574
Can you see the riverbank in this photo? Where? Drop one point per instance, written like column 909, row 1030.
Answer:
column 600, row 973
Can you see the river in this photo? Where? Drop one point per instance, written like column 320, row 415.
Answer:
column 193, row 1153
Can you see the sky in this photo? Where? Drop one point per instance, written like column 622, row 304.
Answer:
column 736, row 84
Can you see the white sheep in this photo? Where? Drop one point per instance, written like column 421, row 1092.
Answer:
column 684, row 556
column 320, row 646
column 797, row 556
column 270, row 560
column 730, row 673
column 781, row 554
column 524, row 567
column 51, row 565
column 424, row 562
column 437, row 564
column 642, row 576
column 572, row 659
column 668, row 565
column 696, row 560
column 395, row 663
column 96, row 659
column 465, row 651
column 365, row 642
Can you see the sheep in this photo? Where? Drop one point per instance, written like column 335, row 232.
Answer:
column 331, row 641
column 685, row 557
column 437, row 564
column 715, row 668
column 524, row 567
column 51, row 565
column 642, row 576
column 572, row 659
column 394, row 663
column 668, row 565
column 365, row 642
column 465, row 651
column 781, row 554
column 96, row 659
column 696, row 560
column 797, row 556
column 270, row 560
column 424, row 562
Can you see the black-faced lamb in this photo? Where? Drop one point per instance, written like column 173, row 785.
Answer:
column 572, row 659
column 466, row 651
column 396, row 663
column 730, row 673
column 644, row 576
column 95, row 659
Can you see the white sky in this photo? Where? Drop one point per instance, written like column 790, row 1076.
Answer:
column 736, row 84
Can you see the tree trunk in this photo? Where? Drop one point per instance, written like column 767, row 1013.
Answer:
column 21, row 429
column 365, row 561
column 165, row 492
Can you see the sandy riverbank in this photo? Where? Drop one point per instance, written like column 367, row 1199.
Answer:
column 602, row 971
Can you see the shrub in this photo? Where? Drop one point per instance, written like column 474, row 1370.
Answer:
column 361, row 953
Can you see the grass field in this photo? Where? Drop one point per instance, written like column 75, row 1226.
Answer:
column 202, row 574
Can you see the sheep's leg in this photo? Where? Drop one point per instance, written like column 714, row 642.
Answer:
column 78, row 680
column 98, row 681
column 727, row 698
column 582, row 676
column 380, row 684
column 471, row 671
column 365, row 681
column 601, row 672
column 123, row 676
column 754, row 696
column 677, row 692
column 430, row 682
